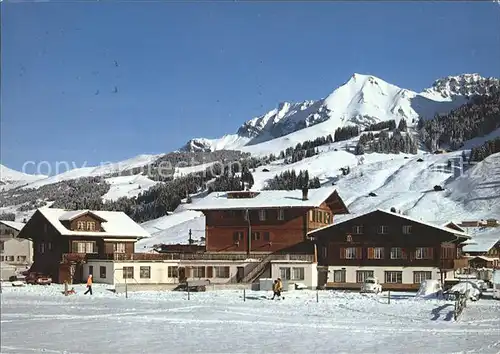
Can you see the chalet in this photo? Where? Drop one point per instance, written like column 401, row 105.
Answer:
column 13, row 249
column 485, row 243
column 65, row 239
column 399, row 250
column 266, row 221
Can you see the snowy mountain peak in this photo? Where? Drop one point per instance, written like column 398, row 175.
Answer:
column 8, row 176
column 462, row 85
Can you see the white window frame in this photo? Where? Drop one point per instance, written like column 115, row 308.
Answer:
column 128, row 272
column 361, row 275
column 80, row 225
column 119, row 247
column 90, row 225
column 145, row 272
column 423, row 253
column 407, row 229
column 84, row 246
column 396, row 253
column 350, row 253
column 222, row 272
column 378, row 252
column 357, row 230
column 281, row 214
column 393, row 277
column 285, row 273
column 298, row 273
column 339, row 273
column 262, row 214
column 173, row 272
column 199, row 272
column 383, row 230
column 421, row 275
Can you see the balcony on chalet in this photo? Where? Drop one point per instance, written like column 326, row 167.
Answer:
column 454, row 264
column 172, row 256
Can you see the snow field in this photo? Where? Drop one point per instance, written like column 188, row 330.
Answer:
column 37, row 318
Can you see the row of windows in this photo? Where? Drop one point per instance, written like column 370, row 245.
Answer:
column 85, row 225
column 320, row 216
column 381, row 229
column 173, row 272
column 379, row 253
column 12, row 258
column 256, row 236
column 390, row 277
column 294, row 273
column 263, row 214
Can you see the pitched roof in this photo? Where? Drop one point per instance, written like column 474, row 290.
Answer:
column 117, row 224
column 482, row 241
column 264, row 199
column 15, row 225
column 406, row 217
column 452, row 224
column 73, row 214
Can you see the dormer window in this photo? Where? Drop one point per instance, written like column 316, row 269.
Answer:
column 90, row 226
column 80, row 225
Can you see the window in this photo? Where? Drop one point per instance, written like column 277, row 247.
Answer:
column 128, row 272
column 90, row 225
column 407, row 229
column 221, row 272
column 281, row 214
column 357, row 230
column 91, row 270
column 396, row 253
column 246, row 215
column 339, row 276
column 42, row 248
column 145, row 272
column 320, row 216
column 448, row 252
column 419, row 277
column 394, row 277
column 262, row 215
column 311, row 215
column 324, row 252
column 83, row 247
column 173, row 272
column 2, row 246
column 49, row 246
column 383, row 230
column 21, row 258
column 9, row 258
column 298, row 273
column 102, row 272
column 80, row 225
column 119, row 248
column 350, row 253
column 285, row 273
column 255, row 236
column 376, row 253
column 237, row 236
column 267, row 237
column 423, row 253
column 361, row 275
column 198, row 272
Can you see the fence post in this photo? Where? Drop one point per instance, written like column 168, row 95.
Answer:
column 389, row 297
column 317, row 295
column 244, row 295
column 66, row 288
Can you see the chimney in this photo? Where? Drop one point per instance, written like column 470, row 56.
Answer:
column 304, row 193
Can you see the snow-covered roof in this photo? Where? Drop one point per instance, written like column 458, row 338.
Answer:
column 452, row 223
column 15, row 225
column 116, row 224
column 406, row 217
column 264, row 199
column 73, row 214
column 483, row 241
column 487, row 259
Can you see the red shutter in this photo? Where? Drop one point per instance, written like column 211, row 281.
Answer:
column 359, row 252
column 342, row 253
column 371, row 253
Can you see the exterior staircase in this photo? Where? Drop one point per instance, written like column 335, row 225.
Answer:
column 258, row 269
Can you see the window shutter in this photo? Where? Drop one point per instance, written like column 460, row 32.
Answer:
column 210, row 272
column 74, row 247
column 359, row 252
column 431, row 253
column 371, row 253
column 342, row 253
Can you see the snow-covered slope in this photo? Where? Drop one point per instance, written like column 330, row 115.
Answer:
column 103, row 169
column 127, row 186
column 362, row 100
column 9, row 176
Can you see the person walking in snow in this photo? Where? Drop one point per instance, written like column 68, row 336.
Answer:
column 276, row 291
column 89, row 285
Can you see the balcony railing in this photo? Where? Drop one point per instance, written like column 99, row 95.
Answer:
column 454, row 263
column 185, row 256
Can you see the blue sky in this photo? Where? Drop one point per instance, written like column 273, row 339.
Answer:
column 192, row 69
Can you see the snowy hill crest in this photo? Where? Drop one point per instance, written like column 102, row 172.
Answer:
column 361, row 101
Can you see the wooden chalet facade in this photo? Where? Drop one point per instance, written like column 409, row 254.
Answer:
column 63, row 240
column 398, row 250
column 266, row 221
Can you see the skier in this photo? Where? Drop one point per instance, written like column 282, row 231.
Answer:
column 89, row 285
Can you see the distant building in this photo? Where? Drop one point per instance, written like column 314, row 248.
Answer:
column 398, row 250
column 14, row 250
